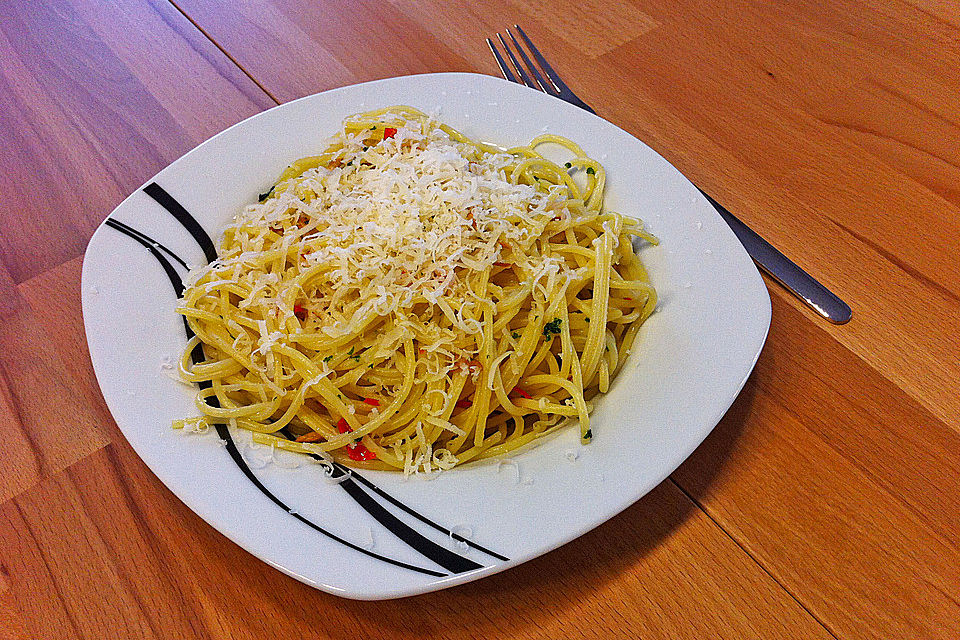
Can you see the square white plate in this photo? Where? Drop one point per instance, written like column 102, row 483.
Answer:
column 690, row 360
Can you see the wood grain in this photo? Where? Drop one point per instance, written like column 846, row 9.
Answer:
column 152, row 559
column 333, row 37
column 92, row 105
column 42, row 437
column 824, row 505
column 817, row 500
column 801, row 183
column 591, row 27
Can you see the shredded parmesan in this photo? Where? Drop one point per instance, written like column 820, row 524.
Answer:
column 384, row 298
column 400, row 222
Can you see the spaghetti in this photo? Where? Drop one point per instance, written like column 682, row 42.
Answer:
column 412, row 299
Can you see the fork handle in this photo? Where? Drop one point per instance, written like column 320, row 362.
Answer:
column 784, row 270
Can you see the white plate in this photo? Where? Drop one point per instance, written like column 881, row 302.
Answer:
column 691, row 358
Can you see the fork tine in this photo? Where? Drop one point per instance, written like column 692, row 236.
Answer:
column 504, row 68
column 527, row 80
column 547, row 87
column 554, row 77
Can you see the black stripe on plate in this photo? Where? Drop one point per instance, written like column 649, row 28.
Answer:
column 189, row 223
column 386, row 496
column 424, row 546
column 116, row 224
column 152, row 247
column 183, row 216
column 224, row 432
column 234, row 452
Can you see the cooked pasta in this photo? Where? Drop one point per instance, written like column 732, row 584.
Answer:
column 412, row 299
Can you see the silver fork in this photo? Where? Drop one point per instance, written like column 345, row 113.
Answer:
column 542, row 76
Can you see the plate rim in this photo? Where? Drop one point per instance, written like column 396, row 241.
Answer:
column 677, row 458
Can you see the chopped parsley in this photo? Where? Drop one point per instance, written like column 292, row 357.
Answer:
column 567, row 165
column 552, row 327
column 588, row 435
column 515, row 335
column 328, row 358
column 590, row 170
column 587, row 320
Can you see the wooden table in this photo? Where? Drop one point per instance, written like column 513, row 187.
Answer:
column 825, row 504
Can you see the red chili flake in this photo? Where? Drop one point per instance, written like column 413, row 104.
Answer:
column 300, row 312
column 355, row 451
column 501, row 264
column 373, row 402
column 464, row 404
column 360, row 452
column 628, row 299
column 389, row 132
column 520, row 392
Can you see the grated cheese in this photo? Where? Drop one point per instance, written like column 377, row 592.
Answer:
column 397, row 223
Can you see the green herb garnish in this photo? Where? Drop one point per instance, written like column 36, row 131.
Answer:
column 552, row 327
column 567, row 165
column 327, row 359
column 588, row 435
column 515, row 335
column 590, row 170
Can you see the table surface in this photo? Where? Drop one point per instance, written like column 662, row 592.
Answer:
column 826, row 502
